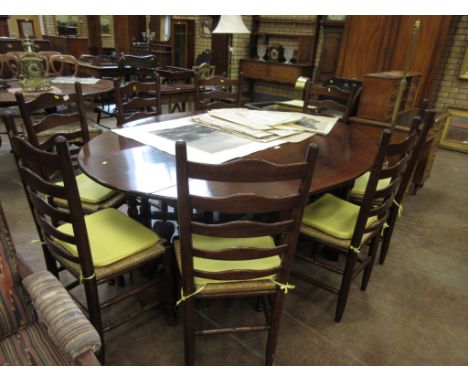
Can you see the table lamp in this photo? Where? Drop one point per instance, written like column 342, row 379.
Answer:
column 230, row 24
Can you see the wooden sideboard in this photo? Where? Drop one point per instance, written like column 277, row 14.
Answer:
column 380, row 92
column 15, row 45
column 273, row 71
column 76, row 46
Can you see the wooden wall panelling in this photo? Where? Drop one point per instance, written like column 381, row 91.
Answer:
column 4, row 31
column 94, row 33
column 364, row 46
column 429, row 45
column 329, row 54
column 126, row 30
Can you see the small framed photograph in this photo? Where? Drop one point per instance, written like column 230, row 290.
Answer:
column 26, row 28
column 455, row 134
column 464, row 67
column 205, row 27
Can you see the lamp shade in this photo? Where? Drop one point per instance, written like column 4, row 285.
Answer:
column 230, row 24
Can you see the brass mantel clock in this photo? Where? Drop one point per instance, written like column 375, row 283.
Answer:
column 32, row 70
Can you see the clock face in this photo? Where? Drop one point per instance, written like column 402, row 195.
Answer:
column 34, row 70
column 274, row 54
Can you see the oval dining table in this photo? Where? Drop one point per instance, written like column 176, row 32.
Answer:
column 129, row 166
column 7, row 96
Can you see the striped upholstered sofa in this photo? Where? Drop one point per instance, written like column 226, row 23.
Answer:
column 39, row 322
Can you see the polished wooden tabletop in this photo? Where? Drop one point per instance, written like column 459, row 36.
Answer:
column 126, row 165
column 7, row 96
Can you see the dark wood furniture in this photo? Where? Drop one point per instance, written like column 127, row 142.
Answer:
column 346, row 153
column 278, row 71
column 137, row 100
column 330, row 49
column 63, row 64
column 373, row 44
column 380, row 92
column 7, row 98
column 389, row 162
column 12, row 44
column 266, row 274
column 183, row 42
column 422, row 127
column 4, row 30
column 76, row 245
column 40, row 294
column 104, row 70
column 217, row 92
column 47, row 54
column 126, row 30
column 328, row 98
column 74, row 46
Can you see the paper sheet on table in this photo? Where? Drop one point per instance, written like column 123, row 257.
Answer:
column 315, row 123
column 204, row 144
column 72, row 80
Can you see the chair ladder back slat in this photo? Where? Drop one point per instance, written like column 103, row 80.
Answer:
column 47, row 209
column 241, row 253
column 242, row 228
column 237, row 274
column 246, row 203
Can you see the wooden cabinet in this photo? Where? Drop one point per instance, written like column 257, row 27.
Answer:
column 380, row 92
column 275, row 72
column 127, row 29
column 183, row 42
column 380, row 43
column 76, row 46
column 4, row 30
column 15, row 45
column 329, row 53
column 302, row 35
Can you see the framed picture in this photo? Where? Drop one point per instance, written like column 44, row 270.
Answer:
column 455, row 134
column 464, row 67
column 106, row 25
column 205, row 27
column 26, row 28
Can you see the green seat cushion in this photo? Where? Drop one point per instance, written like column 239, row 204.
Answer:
column 210, row 243
column 360, row 184
column 334, row 216
column 113, row 236
column 90, row 191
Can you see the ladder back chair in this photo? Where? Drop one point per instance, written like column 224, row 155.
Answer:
column 241, row 258
column 139, row 68
column 216, row 92
column 9, row 66
column 68, row 120
column 63, row 65
column 422, row 127
column 93, row 248
column 328, row 99
column 137, row 100
column 347, row 228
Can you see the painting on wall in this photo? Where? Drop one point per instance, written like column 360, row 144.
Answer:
column 206, row 25
column 26, row 28
column 106, row 25
column 455, row 134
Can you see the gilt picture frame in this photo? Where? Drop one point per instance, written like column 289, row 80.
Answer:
column 464, row 67
column 26, row 28
column 455, row 133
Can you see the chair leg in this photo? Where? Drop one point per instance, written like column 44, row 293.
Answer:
column 387, row 237
column 92, row 300
column 51, row 263
column 169, row 286
column 274, row 328
column 368, row 269
column 189, row 331
column 345, row 285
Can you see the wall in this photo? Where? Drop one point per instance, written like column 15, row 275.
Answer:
column 448, row 90
column 13, row 25
column 50, row 27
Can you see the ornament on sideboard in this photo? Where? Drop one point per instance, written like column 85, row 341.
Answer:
column 33, row 75
column 288, row 54
column 261, row 51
